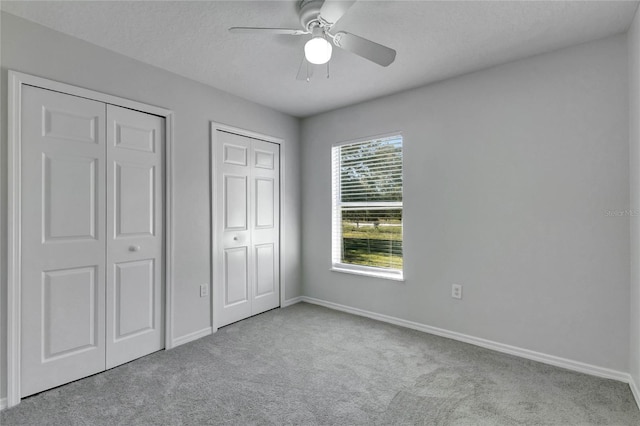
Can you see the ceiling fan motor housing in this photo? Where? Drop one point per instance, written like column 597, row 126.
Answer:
column 309, row 12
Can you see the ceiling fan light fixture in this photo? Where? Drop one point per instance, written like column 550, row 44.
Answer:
column 318, row 50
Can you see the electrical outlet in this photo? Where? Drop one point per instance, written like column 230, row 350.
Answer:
column 204, row 290
column 456, row 291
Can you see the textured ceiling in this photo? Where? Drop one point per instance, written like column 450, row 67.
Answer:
column 434, row 40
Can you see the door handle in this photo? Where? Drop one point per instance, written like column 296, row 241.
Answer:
column 134, row 248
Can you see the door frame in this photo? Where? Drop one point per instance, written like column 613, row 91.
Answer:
column 14, row 285
column 215, row 244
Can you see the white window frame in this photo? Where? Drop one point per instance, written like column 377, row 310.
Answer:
column 336, row 218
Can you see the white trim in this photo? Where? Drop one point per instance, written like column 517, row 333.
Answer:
column 213, row 208
column 634, row 390
column 369, row 271
column 168, row 232
column 3, row 403
column 15, row 82
column 13, row 241
column 192, row 336
column 57, row 86
column 369, row 138
column 488, row 344
column 290, row 302
column 283, row 182
column 214, row 238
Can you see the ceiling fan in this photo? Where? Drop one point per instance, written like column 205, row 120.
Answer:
column 318, row 18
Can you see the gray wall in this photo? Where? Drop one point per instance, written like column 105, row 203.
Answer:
column 634, row 158
column 509, row 173
column 34, row 49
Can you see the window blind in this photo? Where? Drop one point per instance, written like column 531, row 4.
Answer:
column 367, row 205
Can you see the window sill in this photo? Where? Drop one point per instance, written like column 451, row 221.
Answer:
column 394, row 276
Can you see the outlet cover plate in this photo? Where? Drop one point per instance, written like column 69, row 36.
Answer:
column 204, row 290
column 456, row 291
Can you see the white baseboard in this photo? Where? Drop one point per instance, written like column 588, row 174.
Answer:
column 192, row 336
column 290, row 302
column 3, row 403
column 635, row 390
column 209, row 330
column 488, row 344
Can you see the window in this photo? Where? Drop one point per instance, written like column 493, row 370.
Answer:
column 367, row 207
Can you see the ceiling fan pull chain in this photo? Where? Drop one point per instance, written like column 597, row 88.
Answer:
column 327, row 70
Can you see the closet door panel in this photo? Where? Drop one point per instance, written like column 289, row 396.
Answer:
column 74, row 328
column 232, row 270
column 134, row 200
column 135, row 297
column 265, row 225
column 70, row 196
column 63, row 239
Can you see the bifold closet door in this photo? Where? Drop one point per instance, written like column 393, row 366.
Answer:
column 63, row 239
column 92, row 237
column 247, row 269
column 135, row 143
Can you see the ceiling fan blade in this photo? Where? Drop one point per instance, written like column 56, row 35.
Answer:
column 381, row 55
column 332, row 10
column 305, row 71
column 258, row 30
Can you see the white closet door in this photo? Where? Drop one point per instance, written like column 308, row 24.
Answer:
column 265, row 225
column 63, row 239
column 92, row 241
column 247, row 270
column 135, row 143
column 232, row 267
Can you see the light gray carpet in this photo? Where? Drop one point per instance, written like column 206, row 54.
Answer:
column 310, row 365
